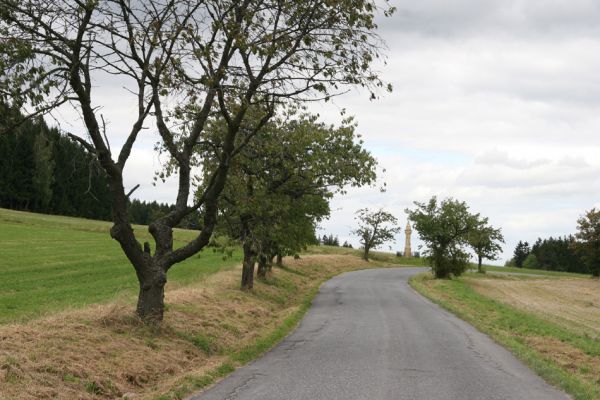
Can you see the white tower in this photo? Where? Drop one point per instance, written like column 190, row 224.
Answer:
column 407, row 249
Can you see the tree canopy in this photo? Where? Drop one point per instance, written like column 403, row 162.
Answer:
column 281, row 183
column 375, row 228
column 588, row 240
column 485, row 240
column 445, row 227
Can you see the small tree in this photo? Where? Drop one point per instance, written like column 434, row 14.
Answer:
column 588, row 240
column 485, row 241
column 375, row 228
column 521, row 252
column 531, row 262
column 445, row 229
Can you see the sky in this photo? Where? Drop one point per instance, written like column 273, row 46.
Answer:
column 495, row 103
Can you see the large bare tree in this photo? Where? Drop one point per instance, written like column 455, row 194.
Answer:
column 184, row 62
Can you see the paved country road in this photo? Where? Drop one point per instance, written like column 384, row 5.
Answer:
column 370, row 336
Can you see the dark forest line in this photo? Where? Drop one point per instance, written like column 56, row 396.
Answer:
column 42, row 170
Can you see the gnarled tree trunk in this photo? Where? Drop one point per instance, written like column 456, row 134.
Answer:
column 150, row 305
column 366, row 253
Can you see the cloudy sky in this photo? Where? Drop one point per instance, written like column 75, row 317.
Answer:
column 495, row 102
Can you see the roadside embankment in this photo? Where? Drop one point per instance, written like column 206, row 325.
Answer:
column 210, row 327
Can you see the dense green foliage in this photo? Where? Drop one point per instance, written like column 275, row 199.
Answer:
column 45, row 171
column 587, row 242
column 281, row 182
column 485, row 240
column 329, row 240
column 445, row 227
column 520, row 254
column 551, row 254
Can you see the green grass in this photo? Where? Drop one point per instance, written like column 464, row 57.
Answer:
column 50, row 263
column 511, row 328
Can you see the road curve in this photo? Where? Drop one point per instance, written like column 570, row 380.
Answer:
column 370, row 336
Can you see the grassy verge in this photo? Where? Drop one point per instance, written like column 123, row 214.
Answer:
column 52, row 263
column 564, row 357
column 210, row 328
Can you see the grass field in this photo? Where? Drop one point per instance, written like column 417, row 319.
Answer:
column 51, row 263
column 553, row 325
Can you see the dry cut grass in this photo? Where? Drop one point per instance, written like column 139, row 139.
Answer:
column 573, row 303
column 103, row 352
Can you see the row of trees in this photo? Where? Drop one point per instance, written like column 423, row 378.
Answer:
column 280, row 184
column 208, row 76
column 579, row 253
column 448, row 229
column 332, row 241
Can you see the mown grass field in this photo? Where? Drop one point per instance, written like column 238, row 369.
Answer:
column 50, row 263
column 551, row 323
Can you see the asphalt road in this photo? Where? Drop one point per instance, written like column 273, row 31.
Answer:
column 370, row 336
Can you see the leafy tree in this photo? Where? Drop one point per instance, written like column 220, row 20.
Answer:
column 445, row 227
column 588, row 240
column 531, row 262
column 521, row 252
column 183, row 62
column 281, row 183
column 485, row 241
column 375, row 228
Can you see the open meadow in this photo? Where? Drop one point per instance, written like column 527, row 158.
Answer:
column 51, row 263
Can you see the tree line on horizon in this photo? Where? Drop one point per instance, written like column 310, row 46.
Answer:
column 579, row 253
column 43, row 170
